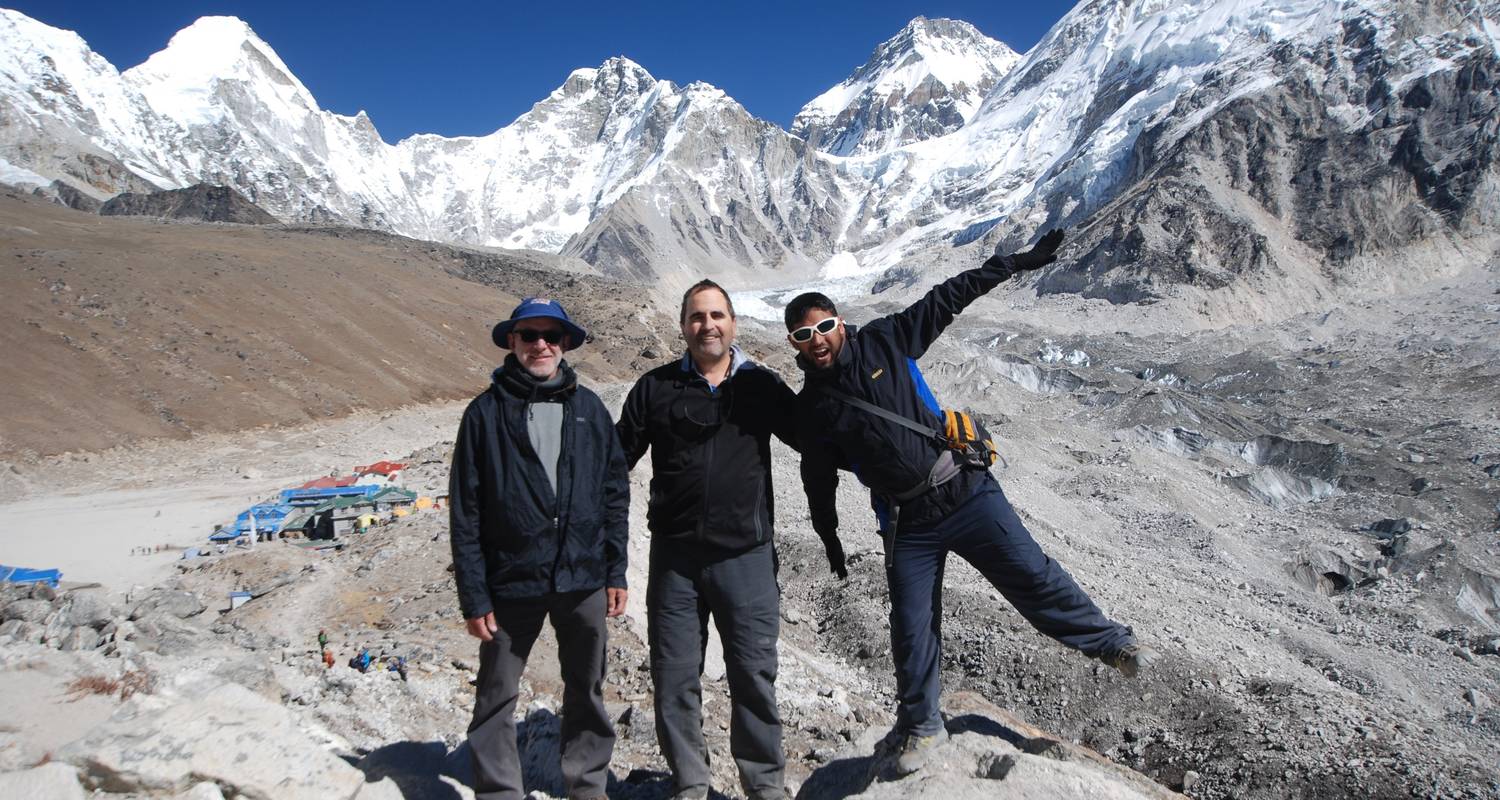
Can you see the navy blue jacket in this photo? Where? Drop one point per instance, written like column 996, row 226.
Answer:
column 878, row 363
column 512, row 535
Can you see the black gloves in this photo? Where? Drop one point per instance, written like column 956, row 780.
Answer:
column 1041, row 254
column 835, row 552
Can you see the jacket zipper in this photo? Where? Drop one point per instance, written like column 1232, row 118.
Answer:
column 760, row 503
column 565, row 443
column 708, row 462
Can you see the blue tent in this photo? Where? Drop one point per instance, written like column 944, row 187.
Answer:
column 24, row 575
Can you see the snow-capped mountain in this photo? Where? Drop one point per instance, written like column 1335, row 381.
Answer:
column 624, row 163
column 1191, row 143
column 1157, row 127
column 926, row 81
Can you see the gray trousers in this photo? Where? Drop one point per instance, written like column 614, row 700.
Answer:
column 686, row 586
column 588, row 739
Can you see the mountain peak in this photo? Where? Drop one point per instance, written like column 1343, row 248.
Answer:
column 180, row 79
column 214, row 44
column 216, row 29
column 925, row 81
column 621, row 64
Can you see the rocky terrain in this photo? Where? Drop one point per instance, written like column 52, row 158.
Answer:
column 174, row 329
column 1302, row 516
column 1254, row 408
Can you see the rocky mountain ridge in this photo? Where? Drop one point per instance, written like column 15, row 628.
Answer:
column 199, row 202
column 1169, row 132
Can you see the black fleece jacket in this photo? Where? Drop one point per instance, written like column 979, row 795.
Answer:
column 710, row 451
column 512, row 535
column 878, row 363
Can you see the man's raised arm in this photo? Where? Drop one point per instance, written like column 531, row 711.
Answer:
column 919, row 325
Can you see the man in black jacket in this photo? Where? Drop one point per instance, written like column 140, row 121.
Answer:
column 965, row 513
column 708, row 419
column 539, row 502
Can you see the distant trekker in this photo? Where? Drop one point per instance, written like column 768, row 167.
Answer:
column 708, row 418
column 538, row 514
column 865, row 407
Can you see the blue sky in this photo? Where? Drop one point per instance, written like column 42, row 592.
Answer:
column 468, row 68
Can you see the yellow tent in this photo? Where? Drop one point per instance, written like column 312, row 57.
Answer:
column 424, row 502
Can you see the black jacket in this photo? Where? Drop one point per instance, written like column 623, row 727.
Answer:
column 710, row 451
column 878, row 363
column 514, row 537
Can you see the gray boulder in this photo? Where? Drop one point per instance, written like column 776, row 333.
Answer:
column 22, row 631
column 27, row 610
column 80, row 638
column 164, row 634
column 226, row 734
column 52, row 781
column 179, row 604
column 88, row 609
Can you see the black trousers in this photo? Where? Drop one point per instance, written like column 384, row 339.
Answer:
column 688, row 585
column 588, row 739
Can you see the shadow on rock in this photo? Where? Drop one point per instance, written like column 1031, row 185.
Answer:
column 845, row 777
column 429, row 771
column 418, row 769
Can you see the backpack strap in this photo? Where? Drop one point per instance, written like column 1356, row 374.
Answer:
column 891, row 416
column 944, row 469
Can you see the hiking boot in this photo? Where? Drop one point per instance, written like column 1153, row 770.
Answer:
column 1132, row 658
column 916, row 750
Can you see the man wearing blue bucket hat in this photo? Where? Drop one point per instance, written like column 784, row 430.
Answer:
column 538, row 521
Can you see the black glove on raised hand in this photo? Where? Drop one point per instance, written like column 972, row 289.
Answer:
column 835, row 552
column 1041, row 254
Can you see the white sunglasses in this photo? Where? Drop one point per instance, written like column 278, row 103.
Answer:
column 823, row 327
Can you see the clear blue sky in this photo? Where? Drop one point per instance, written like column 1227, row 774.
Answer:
column 469, row 68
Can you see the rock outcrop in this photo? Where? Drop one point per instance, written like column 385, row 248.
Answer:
column 202, row 202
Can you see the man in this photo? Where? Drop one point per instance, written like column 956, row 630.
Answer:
column 967, row 513
column 538, row 512
column 708, row 419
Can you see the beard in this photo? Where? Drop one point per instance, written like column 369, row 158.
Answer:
column 541, row 370
column 712, row 348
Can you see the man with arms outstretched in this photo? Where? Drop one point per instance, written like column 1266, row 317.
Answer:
column 925, row 510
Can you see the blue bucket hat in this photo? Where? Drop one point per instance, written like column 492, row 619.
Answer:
column 531, row 308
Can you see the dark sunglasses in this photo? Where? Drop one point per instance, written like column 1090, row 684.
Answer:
column 824, row 327
column 530, row 336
